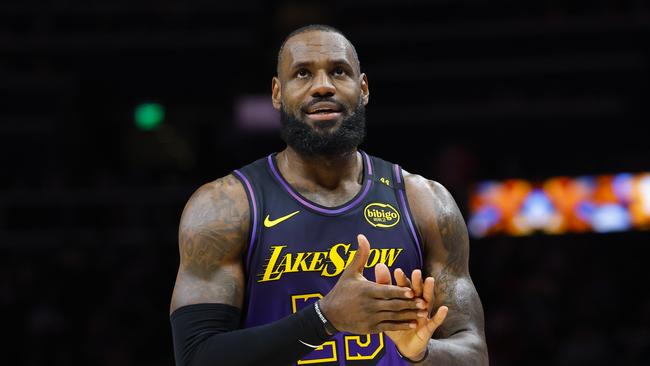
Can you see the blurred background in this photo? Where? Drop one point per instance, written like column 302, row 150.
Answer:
column 113, row 112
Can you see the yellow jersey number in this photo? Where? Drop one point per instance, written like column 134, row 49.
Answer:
column 357, row 347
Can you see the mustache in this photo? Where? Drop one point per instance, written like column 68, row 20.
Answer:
column 311, row 103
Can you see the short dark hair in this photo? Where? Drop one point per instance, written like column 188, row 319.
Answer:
column 316, row 27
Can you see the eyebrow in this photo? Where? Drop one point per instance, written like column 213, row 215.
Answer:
column 338, row 61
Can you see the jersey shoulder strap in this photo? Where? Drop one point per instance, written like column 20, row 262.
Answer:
column 399, row 186
column 253, row 177
column 389, row 181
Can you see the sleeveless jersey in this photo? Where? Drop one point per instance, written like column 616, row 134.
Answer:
column 298, row 249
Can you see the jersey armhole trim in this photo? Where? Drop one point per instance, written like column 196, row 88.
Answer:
column 403, row 201
column 252, row 202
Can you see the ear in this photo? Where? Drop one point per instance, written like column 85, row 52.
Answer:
column 276, row 93
column 365, row 92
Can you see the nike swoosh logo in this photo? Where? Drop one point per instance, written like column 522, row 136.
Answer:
column 270, row 223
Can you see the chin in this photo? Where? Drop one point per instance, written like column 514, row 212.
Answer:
column 328, row 125
column 323, row 125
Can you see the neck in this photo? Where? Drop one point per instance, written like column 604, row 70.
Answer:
column 329, row 172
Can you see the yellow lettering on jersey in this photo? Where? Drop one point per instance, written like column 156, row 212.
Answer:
column 329, row 263
column 388, row 256
column 336, row 259
column 373, row 257
column 268, row 273
column 301, row 261
column 316, row 262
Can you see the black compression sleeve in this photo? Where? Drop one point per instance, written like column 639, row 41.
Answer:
column 207, row 334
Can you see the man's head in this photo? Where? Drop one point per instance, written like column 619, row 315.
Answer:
column 320, row 92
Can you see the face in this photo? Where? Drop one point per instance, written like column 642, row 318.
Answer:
column 321, row 94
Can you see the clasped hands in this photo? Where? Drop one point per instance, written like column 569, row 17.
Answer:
column 401, row 310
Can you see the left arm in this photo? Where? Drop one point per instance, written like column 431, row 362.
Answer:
column 460, row 339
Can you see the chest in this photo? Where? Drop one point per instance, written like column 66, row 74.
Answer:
column 295, row 241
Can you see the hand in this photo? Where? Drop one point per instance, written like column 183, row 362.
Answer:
column 412, row 343
column 359, row 306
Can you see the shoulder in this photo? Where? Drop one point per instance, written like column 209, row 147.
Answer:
column 438, row 220
column 214, row 199
column 217, row 211
column 428, row 199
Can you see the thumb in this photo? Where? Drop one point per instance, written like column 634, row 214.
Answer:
column 360, row 257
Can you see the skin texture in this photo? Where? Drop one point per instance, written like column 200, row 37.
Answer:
column 318, row 65
column 215, row 224
column 212, row 234
column 413, row 343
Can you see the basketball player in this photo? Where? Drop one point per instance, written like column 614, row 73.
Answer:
column 322, row 254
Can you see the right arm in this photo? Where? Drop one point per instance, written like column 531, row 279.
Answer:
column 208, row 293
column 212, row 234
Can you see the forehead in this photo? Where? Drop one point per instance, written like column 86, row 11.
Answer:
column 316, row 46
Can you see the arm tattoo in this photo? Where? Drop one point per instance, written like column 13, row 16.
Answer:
column 453, row 234
column 212, row 228
column 212, row 236
column 460, row 338
column 453, row 286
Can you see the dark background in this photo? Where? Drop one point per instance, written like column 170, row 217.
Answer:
column 460, row 91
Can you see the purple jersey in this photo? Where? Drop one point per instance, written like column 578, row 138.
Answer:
column 298, row 249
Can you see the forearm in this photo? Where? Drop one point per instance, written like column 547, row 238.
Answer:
column 464, row 348
column 209, row 336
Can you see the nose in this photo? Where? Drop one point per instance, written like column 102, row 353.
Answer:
column 322, row 85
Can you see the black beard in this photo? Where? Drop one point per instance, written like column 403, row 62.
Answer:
column 306, row 141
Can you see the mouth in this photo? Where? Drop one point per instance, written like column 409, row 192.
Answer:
column 324, row 111
column 324, row 115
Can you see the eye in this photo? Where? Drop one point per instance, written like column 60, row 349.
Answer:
column 302, row 73
column 339, row 71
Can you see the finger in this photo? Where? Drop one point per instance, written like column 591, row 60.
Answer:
column 437, row 319
column 432, row 324
column 360, row 257
column 382, row 274
column 404, row 315
column 428, row 293
column 393, row 326
column 400, row 278
column 399, row 305
column 389, row 292
column 416, row 282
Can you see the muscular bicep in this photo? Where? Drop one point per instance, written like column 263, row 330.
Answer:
column 212, row 235
column 446, row 249
column 204, row 277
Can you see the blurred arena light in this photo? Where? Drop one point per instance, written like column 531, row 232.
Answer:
column 149, row 116
column 255, row 113
column 559, row 205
